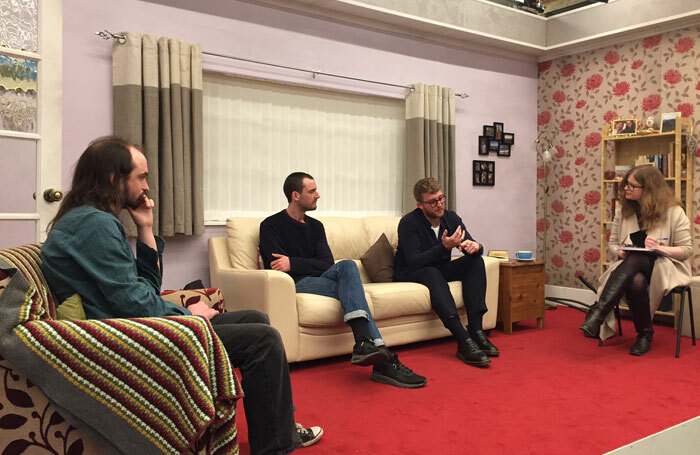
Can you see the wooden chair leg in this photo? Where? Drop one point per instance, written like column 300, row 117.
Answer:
column 619, row 320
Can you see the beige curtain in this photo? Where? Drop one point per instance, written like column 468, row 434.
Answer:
column 430, row 141
column 157, row 103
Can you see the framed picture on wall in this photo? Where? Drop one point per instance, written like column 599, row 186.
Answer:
column 504, row 150
column 484, row 173
column 623, row 126
column 508, row 138
column 668, row 122
column 498, row 127
column 483, row 146
column 494, row 145
column 489, row 131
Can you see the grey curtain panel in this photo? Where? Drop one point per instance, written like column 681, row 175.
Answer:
column 430, row 141
column 157, row 103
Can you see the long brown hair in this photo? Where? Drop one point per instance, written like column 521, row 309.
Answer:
column 657, row 197
column 98, row 177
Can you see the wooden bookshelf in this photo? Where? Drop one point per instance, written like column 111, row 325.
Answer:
column 628, row 151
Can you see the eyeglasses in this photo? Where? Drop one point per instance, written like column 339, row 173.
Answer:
column 632, row 186
column 435, row 202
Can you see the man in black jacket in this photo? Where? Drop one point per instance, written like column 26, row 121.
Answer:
column 292, row 242
column 427, row 236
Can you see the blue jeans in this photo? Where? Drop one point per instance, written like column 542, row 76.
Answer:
column 342, row 281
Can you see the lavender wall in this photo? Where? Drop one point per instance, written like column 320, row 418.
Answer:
column 501, row 217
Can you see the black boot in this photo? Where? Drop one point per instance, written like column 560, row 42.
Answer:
column 643, row 343
column 638, row 300
column 612, row 293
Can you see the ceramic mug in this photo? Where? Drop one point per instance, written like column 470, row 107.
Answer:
column 523, row 255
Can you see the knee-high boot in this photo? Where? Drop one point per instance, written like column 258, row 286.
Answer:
column 612, row 293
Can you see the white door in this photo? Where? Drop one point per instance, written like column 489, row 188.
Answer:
column 30, row 118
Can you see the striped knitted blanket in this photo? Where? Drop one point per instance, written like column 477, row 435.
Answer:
column 135, row 386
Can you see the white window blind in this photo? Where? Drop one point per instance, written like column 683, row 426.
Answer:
column 257, row 132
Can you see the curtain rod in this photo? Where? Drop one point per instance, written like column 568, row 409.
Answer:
column 105, row 34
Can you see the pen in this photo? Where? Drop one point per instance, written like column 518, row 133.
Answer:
column 665, row 238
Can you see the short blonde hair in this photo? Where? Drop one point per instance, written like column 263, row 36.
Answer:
column 426, row 185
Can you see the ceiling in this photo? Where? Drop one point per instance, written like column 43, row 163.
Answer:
column 495, row 27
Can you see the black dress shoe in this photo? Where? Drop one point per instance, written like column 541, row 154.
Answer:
column 469, row 353
column 485, row 345
column 642, row 345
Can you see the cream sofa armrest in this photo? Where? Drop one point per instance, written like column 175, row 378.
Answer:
column 492, row 266
column 269, row 291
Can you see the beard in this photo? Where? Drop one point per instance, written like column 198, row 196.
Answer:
column 132, row 203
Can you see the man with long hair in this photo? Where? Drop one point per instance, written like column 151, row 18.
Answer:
column 294, row 243
column 650, row 217
column 427, row 236
column 87, row 253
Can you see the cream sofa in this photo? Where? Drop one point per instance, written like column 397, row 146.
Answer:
column 311, row 325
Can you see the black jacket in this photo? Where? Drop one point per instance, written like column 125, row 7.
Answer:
column 418, row 246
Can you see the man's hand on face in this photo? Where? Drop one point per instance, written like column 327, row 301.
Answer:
column 143, row 213
column 469, row 247
column 203, row 310
column 281, row 263
column 454, row 240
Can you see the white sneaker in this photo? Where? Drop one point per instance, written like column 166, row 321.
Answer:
column 308, row 436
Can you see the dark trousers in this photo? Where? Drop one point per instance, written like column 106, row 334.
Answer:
column 256, row 349
column 468, row 269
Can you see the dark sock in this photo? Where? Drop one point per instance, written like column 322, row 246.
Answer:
column 454, row 325
column 360, row 328
column 474, row 325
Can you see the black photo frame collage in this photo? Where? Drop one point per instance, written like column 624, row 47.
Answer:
column 494, row 140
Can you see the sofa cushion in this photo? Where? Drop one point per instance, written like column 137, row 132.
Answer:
column 378, row 225
column 243, row 238
column 346, row 237
column 378, row 261
column 400, row 299
column 321, row 311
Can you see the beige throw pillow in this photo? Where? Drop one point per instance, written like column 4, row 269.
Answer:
column 378, row 261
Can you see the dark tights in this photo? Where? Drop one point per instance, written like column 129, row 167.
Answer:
column 639, row 266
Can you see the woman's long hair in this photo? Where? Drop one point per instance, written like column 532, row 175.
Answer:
column 99, row 176
column 657, row 197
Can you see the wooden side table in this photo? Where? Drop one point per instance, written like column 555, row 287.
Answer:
column 520, row 293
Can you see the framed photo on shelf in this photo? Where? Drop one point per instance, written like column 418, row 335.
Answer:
column 494, row 145
column 669, row 122
column 498, row 126
column 483, row 146
column 484, row 173
column 504, row 150
column 623, row 126
column 489, row 131
column 508, row 138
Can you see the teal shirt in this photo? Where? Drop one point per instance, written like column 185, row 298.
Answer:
column 87, row 252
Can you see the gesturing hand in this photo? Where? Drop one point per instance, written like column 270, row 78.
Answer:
column 469, row 247
column 203, row 310
column 281, row 263
column 454, row 240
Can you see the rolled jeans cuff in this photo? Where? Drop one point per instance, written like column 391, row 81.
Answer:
column 362, row 314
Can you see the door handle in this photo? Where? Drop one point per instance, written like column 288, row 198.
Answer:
column 52, row 195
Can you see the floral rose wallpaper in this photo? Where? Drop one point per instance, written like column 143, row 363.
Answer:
column 578, row 94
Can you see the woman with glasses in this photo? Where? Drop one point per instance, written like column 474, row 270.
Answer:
column 649, row 217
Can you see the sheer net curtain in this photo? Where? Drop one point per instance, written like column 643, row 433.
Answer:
column 258, row 132
column 157, row 103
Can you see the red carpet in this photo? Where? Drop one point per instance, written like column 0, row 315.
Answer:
column 551, row 391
